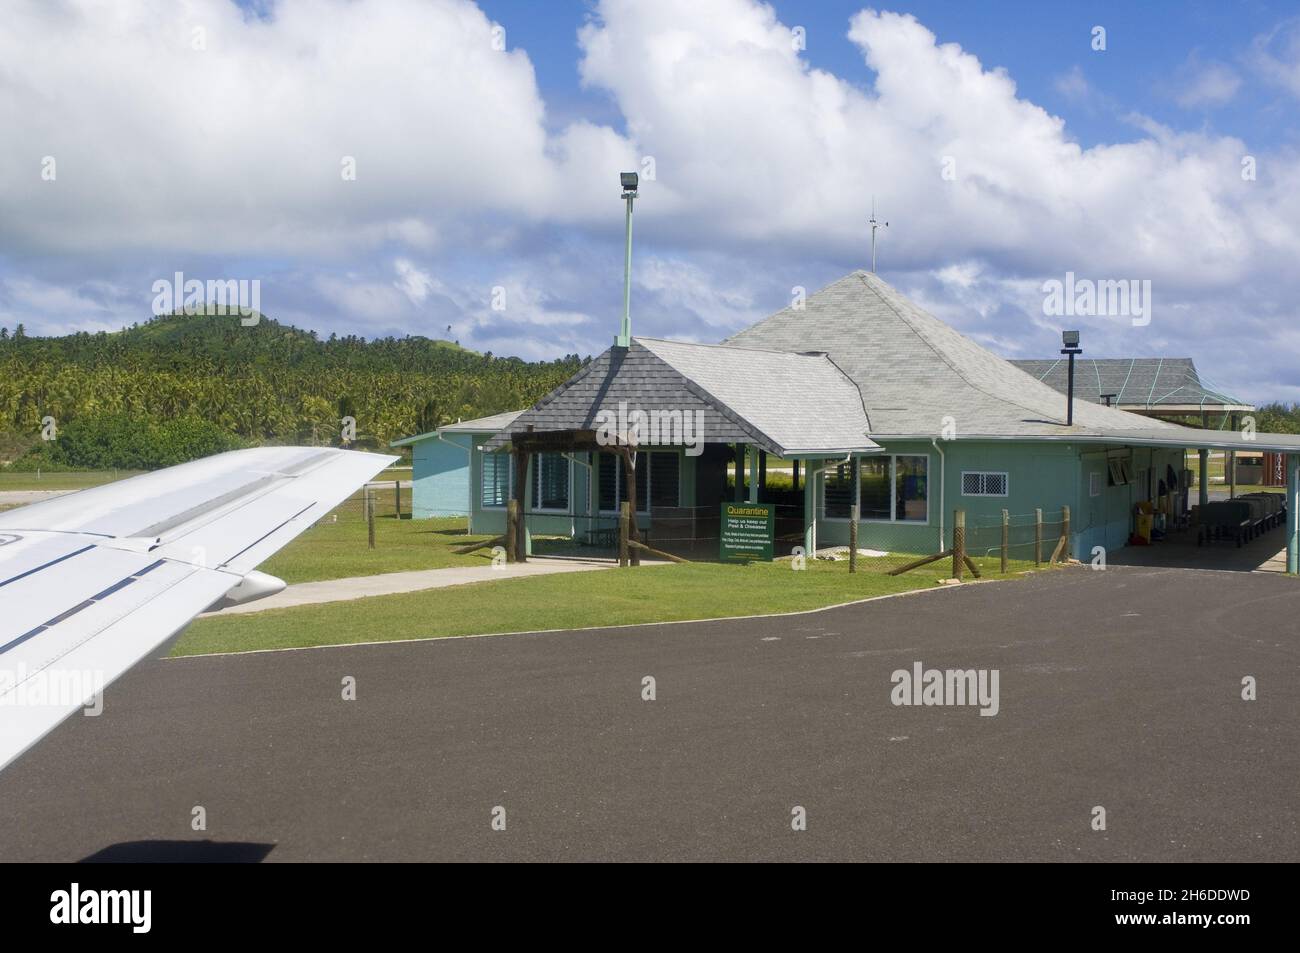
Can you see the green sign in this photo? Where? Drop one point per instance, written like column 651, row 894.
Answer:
column 747, row 530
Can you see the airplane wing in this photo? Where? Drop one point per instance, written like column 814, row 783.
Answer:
column 92, row 582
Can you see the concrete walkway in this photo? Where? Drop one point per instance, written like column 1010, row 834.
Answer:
column 391, row 583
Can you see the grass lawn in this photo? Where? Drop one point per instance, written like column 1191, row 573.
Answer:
column 565, row 601
column 17, row 480
column 340, row 549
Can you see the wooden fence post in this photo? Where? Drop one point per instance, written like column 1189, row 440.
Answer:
column 853, row 538
column 397, row 497
column 624, row 521
column 1038, row 538
column 1065, row 534
column 1006, row 533
column 370, row 515
column 512, row 531
column 958, row 544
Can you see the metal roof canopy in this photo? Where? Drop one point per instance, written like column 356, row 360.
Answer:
column 1150, row 385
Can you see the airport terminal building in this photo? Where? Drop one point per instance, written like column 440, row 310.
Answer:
column 856, row 398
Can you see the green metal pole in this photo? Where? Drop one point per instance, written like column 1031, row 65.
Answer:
column 1293, row 513
column 624, row 338
column 753, row 474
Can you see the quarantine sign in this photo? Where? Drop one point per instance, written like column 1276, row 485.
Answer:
column 747, row 531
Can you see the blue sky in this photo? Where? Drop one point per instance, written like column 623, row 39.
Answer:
column 1004, row 150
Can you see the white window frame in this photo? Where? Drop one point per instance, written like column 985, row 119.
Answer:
column 536, row 483
column 893, row 492
column 1006, row 482
column 510, row 479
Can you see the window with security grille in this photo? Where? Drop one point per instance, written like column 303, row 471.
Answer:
column 982, row 483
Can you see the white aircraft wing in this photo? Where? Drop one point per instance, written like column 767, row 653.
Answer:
column 92, row 582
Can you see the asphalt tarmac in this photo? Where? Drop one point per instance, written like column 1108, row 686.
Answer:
column 1119, row 689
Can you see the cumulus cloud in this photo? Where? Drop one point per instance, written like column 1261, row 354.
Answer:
column 234, row 155
column 324, row 127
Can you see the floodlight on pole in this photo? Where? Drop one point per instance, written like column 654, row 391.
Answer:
column 1071, row 341
column 629, row 181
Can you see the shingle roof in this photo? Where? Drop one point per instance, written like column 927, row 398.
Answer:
column 914, row 371
column 803, row 402
column 1143, row 382
column 785, row 403
column 492, row 424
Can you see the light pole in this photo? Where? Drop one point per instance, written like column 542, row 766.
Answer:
column 629, row 182
column 1071, row 341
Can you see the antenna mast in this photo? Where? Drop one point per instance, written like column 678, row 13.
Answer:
column 874, row 225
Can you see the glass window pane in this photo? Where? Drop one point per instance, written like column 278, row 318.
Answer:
column 552, row 488
column 874, row 479
column 837, row 492
column 608, row 482
column 910, row 480
column 665, row 479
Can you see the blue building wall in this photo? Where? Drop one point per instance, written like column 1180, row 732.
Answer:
column 440, row 473
column 447, row 476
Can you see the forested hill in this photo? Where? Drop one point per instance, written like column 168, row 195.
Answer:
column 263, row 383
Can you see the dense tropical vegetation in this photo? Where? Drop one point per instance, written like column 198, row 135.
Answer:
column 182, row 386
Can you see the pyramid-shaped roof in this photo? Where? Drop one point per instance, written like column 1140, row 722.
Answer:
column 913, row 370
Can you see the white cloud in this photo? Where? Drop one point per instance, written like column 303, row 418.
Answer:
column 241, row 146
column 1072, row 84
column 1276, row 56
column 413, row 281
column 1205, row 84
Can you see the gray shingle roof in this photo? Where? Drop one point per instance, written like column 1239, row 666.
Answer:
column 784, row 403
column 914, row 371
column 1141, row 382
column 802, row 402
column 492, row 424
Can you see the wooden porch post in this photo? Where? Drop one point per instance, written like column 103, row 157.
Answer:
column 629, row 474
